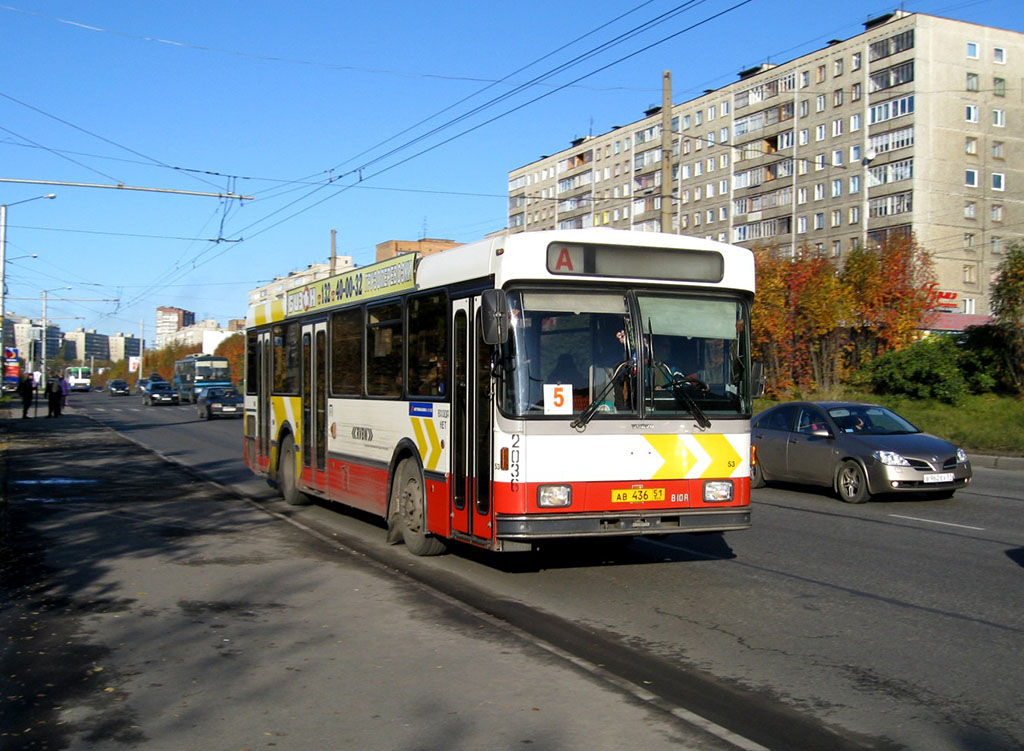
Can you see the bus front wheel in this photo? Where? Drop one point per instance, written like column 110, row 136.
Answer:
column 409, row 505
column 287, row 475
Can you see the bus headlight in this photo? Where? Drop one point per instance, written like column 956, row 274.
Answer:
column 717, row 491
column 554, row 496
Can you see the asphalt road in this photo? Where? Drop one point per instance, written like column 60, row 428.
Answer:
column 900, row 621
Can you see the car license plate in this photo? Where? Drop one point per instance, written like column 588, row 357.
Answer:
column 940, row 477
column 227, row 409
column 637, row 495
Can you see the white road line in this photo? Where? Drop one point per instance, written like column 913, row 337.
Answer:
column 932, row 521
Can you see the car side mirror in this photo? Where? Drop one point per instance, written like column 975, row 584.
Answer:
column 822, row 433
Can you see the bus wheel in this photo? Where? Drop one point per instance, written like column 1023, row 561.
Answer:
column 286, row 475
column 408, row 502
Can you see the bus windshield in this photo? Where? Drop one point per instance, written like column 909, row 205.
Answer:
column 626, row 353
column 212, row 370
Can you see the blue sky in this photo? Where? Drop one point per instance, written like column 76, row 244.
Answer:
column 332, row 115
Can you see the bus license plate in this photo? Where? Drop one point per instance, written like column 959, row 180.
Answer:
column 637, row 495
column 940, row 477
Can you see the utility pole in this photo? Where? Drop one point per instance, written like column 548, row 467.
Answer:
column 334, row 251
column 666, row 151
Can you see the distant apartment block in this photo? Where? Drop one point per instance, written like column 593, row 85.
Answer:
column 426, row 247
column 123, row 346
column 915, row 125
column 170, row 320
column 86, row 345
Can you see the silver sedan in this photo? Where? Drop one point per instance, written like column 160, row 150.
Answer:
column 859, row 450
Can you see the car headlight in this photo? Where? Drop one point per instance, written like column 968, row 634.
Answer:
column 890, row 458
column 961, row 455
column 554, row 496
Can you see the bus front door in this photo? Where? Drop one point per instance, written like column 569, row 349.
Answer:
column 314, row 405
column 471, row 436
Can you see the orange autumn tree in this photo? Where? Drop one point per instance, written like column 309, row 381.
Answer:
column 771, row 320
column 821, row 305
column 233, row 348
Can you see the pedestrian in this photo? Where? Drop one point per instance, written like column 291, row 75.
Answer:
column 26, row 390
column 54, row 397
column 65, row 388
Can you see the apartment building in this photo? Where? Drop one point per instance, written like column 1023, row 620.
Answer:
column 915, row 125
column 169, row 321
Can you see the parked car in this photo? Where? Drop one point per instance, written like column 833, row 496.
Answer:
column 160, row 392
column 859, row 450
column 118, row 387
column 219, row 401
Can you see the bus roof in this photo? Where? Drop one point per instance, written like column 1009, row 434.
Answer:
column 596, row 254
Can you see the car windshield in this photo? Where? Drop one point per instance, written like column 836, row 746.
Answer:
column 871, row 420
column 625, row 353
column 160, row 386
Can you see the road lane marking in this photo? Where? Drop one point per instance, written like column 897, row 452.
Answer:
column 932, row 521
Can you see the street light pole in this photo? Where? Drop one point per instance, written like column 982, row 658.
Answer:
column 42, row 369
column 3, row 261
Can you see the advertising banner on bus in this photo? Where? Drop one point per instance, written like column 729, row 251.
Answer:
column 384, row 278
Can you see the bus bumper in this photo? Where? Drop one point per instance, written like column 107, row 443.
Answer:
column 552, row 526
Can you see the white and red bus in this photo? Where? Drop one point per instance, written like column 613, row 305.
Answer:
column 537, row 386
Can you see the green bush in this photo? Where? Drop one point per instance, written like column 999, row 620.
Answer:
column 984, row 360
column 928, row 369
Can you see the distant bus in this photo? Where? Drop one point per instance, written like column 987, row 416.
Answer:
column 195, row 372
column 79, row 378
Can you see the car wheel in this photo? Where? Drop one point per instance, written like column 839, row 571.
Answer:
column 851, row 484
column 757, row 476
column 408, row 499
column 287, row 475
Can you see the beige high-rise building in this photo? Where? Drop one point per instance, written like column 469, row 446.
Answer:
column 915, row 125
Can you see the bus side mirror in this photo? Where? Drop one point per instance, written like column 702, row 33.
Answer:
column 494, row 314
column 758, row 380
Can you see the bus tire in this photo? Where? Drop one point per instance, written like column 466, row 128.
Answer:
column 408, row 502
column 286, row 475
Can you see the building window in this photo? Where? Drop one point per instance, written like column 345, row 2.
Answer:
column 819, row 74
column 819, row 220
column 969, row 306
column 855, row 215
column 970, row 145
column 819, row 133
column 999, row 118
column 837, row 98
column 854, row 184
column 837, row 67
column 837, row 127
column 999, row 55
column 970, row 275
column 803, row 137
column 837, row 248
column 805, row 79
column 837, row 217
column 819, row 103
column 969, row 210
column 805, row 108
column 855, row 61
column 972, row 50
column 801, row 195
column 837, row 188
column 998, row 181
column 997, row 212
column 996, row 245
column 971, row 113
column 972, row 82
column 999, row 86
column 856, row 91
column 837, row 158
column 801, row 224
column 971, row 178
column 997, row 150
column 855, row 121
column 968, row 239
column 819, row 192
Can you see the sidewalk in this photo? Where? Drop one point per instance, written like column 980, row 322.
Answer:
column 145, row 608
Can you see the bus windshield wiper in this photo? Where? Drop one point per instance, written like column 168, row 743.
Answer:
column 679, row 385
column 591, row 409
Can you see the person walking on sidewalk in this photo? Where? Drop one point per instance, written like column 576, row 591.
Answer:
column 26, row 390
column 54, row 397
